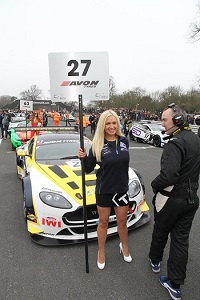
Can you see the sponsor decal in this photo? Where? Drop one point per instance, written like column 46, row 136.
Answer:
column 52, row 222
column 105, row 150
column 32, row 217
column 136, row 131
column 132, row 209
column 86, row 84
column 123, row 146
column 48, row 234
column 90, row 192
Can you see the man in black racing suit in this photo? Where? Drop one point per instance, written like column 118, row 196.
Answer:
column 175, row 200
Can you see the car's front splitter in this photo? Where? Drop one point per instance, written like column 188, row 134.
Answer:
column 48, row 241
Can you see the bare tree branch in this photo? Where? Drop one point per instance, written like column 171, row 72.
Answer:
column 195, row 28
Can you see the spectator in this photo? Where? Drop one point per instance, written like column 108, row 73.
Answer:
column 86, row 122
column 92, row 119
column 1, row 124
column 127, row 122
column 44, row 118
column 6, row 121
column 67, row 118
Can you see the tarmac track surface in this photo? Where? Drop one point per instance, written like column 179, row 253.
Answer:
column 30, row 271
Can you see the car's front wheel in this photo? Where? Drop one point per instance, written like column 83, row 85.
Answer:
column 157, row 141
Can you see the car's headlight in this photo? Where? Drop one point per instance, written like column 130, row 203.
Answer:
column 134, row 188
column 55, row 200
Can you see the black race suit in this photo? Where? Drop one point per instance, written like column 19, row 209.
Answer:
column 180, row 163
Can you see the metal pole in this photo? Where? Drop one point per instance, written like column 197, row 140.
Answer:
column 26, row 124
column 83, row 181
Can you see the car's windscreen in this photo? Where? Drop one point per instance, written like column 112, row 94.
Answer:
column 18, row 119
column 157, row 127
column 58, row 149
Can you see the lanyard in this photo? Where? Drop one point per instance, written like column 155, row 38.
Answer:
column 116, row 141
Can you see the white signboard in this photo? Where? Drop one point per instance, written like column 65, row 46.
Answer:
column 26, row 105
column 79, row 73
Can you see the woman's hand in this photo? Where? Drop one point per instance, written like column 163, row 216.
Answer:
column 81, row 153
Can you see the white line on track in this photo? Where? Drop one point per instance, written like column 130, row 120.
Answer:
column 150, row 147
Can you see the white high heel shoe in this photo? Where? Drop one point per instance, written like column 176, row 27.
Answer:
column 99, row 265
column 126, row 258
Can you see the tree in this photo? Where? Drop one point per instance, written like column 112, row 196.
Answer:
column 195, row 27
column 112, row 88
column 33, row 93
column 5, row 100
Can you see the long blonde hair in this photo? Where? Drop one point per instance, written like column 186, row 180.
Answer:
column 98, row 140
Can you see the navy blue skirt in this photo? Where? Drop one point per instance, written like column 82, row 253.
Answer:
column 112, row 200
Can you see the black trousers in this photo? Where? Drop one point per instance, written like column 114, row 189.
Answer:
column 2, row 131
column 175, row 218
column 93, row 127
column 6, row 130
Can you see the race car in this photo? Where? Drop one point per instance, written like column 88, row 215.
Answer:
column 52, row 190
column 150, row 133
column 20, row 135
column 17, row 122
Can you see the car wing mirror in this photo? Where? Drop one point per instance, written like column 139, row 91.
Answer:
column 21, row 152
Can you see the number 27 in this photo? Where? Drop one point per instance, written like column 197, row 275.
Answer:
column 74, row 63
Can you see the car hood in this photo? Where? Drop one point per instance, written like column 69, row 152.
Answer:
column 67, row 175
column 160, row 133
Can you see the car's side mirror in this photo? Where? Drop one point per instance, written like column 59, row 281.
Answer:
column 21, row 152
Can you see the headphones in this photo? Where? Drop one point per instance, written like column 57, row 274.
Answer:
column 178, row 120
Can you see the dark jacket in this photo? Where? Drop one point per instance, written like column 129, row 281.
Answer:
column 1, row 120
column 180, row 161
column 6, row 119
column 112, row 176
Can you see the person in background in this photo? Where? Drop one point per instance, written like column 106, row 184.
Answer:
column 35, row 122
column 40, row 114
column 92, row 119
column 44, row 118
column 6, row 121
column 197, row 120
column 1, row 124
column 127, row 122
column 67, row 118
column 56, row 118
column 86, row 122
column 110, row 150
column 175, row 201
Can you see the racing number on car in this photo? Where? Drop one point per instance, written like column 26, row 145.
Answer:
column 75, row 64
column 74, row 164
column 147, row 136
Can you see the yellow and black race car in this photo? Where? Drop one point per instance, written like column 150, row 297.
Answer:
column 52, row 188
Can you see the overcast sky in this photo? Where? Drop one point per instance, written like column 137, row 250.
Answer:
column 147, row 41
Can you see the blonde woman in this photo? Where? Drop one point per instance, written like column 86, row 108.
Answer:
column 110, row 151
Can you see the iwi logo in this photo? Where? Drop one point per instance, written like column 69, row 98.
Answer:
column 50, row 221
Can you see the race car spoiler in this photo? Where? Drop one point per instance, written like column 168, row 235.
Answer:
column 50, row 128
